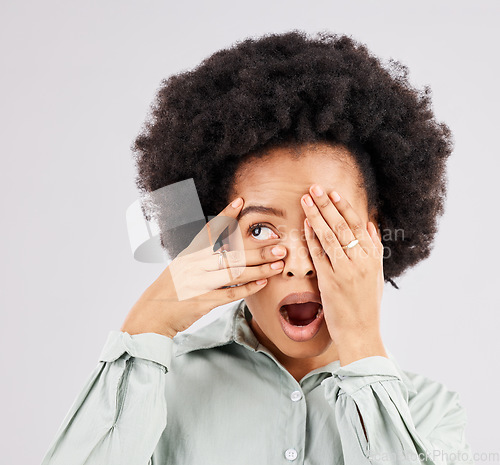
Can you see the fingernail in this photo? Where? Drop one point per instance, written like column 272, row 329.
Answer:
column 307, row 200
column 317, row 191
column 277, row 265
column 336, row 197
column 277, row 250
column 237, row 202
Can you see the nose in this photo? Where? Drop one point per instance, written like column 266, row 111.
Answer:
column 298, row 261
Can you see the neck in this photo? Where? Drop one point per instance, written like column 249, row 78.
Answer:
column 297, row 367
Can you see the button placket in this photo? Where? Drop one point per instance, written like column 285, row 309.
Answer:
column 291, row 454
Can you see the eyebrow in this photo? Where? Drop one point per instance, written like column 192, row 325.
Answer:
column 262, row 209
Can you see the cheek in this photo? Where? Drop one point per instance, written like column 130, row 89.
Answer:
column 260, row 305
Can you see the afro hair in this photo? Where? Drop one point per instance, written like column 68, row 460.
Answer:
column 291, row 88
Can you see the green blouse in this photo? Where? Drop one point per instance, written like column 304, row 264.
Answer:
column 218, row 397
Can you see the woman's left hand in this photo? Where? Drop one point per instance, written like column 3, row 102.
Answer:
column 350, row 280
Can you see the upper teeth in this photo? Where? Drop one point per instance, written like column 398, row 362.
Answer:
column 287, row 318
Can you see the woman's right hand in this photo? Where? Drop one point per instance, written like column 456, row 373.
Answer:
column 192, row 284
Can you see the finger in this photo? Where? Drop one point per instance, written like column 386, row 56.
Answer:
column 223, row 296
column 241, row 275
column 332, row 215
column 191, row 281
column 227, row 220
column 320, row 258
column 379, row 247
column 245, row 257
column 351, row 221
column 345, row 223
column 209, row 234
column 323, row 231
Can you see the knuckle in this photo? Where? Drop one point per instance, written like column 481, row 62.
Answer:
column 238, row 256
column 364, row 270
column 357, row 226
column 238, row 271
column 314, row 214
column 341, row 227
column 318, row 252
column 349, row 277
column 330, row 238
column 231, row 293
column 325, row 204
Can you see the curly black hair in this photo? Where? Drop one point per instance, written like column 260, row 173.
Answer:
column 290, row 89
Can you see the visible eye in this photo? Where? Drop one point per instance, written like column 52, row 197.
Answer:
column 258, row 228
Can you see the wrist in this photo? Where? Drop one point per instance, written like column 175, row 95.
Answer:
column 140, row 321
column 355, row 349
column 132, row 329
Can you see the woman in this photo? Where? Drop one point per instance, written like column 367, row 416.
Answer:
column 327, row 171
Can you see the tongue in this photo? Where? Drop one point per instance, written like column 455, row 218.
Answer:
column 301, row 314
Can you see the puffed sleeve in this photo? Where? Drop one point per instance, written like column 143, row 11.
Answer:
column 121, row 412
column 430, row 429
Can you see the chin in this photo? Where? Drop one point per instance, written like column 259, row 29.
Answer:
column 308, row 349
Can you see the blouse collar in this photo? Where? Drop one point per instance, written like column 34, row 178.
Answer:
column 233, row 327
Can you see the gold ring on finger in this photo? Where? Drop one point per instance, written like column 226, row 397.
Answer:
column 351, row 244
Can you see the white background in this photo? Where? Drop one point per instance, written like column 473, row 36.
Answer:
column 77, row 82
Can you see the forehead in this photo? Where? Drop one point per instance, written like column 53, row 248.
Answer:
column 282, row 172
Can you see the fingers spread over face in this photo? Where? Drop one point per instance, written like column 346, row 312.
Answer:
column 323, row 231
column 323, row 263
column 343, row 220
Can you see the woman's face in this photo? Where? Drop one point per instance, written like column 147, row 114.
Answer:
column 279, row 180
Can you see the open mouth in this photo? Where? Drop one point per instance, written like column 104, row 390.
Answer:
column 301, row 314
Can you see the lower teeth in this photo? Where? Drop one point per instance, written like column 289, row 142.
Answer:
column 287, row 318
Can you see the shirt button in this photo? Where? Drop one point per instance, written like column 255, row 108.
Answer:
column 295, row 396
column 291, row 454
